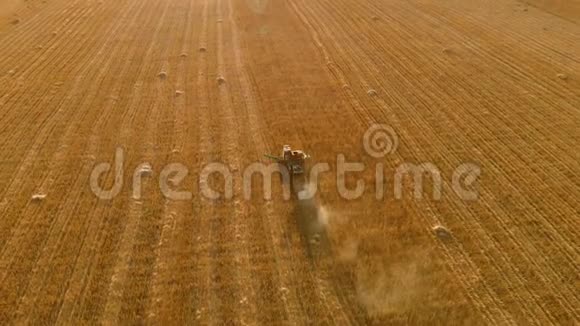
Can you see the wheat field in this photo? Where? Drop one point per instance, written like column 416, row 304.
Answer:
column 193, row 82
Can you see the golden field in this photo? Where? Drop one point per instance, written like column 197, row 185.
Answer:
column 495, row 84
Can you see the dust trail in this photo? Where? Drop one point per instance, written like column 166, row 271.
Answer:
column 391, row 287
column 390, row 278
column 395, row 270
column 312, row 224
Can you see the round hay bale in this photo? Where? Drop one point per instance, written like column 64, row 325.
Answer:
column 563, row 76
column 372, row 92
column 162, row 75
column 442, row 232
column 221, row 80
column 38, row 197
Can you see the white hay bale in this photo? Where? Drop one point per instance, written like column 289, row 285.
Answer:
column 442, row 232
column 372, row 92
column 38, row 197
column 145, row 169
column 179, row 93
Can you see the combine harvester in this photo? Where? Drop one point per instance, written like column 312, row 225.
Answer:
column 310, row 219
column 294, row 161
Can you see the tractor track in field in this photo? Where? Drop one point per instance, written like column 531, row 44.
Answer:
column 248, row 93
column 40, row 58
column 285, row 270
column 201, row 243
column 175, row 217
column 34, row 150
column 129, row 236
column 87, row 240
column 72, row 223
column 40, row 142
column 48, row 181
